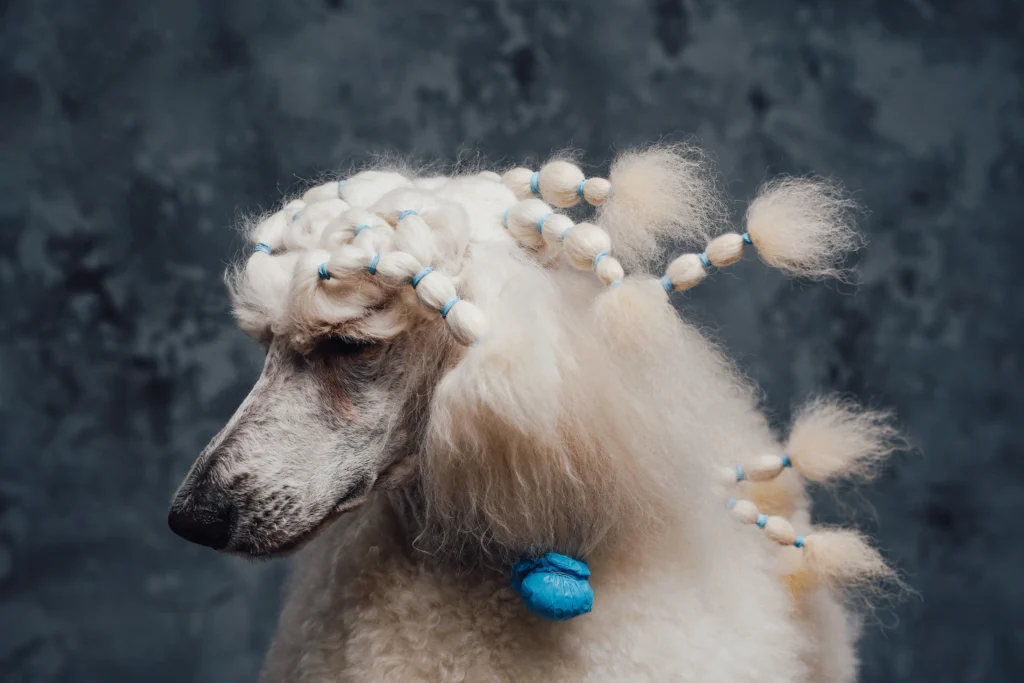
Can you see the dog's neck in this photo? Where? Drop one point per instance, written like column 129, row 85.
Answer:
column 461, row 551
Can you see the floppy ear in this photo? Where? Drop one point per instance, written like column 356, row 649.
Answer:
column 524, row 448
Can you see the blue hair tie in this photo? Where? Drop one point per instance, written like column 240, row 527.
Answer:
column 799, row 542
column 554, row 586
column 535, row 183
column 360, row 228
column 600, row 257
column 324, row 275
column 566, row 232
column 448, row 306
column 261, row 246
column 405, row 213
column 540, row 223
column 731, row 504
column 579, row 189
column 505, row 220
column 340, row 183
column 704, row 259
column 740, row 476
column 786, row 462
column 373, row 263
column 420, row 275
column 295, row 215
column 746, row 237
column 667, row 284
column 615, row 283
column 762, row 519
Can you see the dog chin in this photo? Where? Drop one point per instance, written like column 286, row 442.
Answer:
column 293, row 544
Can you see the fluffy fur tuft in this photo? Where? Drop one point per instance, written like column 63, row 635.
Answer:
column 659, row 194
column 844, row 558
column 832, row 437
column 804, row 226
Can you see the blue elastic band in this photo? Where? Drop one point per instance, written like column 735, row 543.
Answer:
column 405, row 213
column 799, row 542
column 373, row 263
column 599, row 257
column 324, row 275
column 295, row 215
column 340, row 183
column 579, row 188
column 505, row 220
column 731, row 504
column 786, row 462
column 704, row 259
column 534, row 182
column 739, row 473
column 615, row 283
column 540, row 223
column 261, row 246
column 448, row 306
column 762, row 520
column 746, row 237
column 566, row 231
column 420, row 275
column 667, row 284
column 360, row 228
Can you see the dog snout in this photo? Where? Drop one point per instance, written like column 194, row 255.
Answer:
column 203, row 515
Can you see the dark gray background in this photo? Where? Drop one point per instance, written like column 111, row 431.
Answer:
column 133, row 134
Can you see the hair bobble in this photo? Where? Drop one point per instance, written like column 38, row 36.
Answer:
column 373, row 263
column 746, row 238
column 360, row 228
column 420, row 275
column 540, row 224
column 295, row 216
column 599, row 257
column 448, row 306
column 407, row 212
column 340, row 184
column 322, row 270
column 579, row 188
column 535, row 183
column 505, row 219
column 261, row 246
column 704, row 260
column 667, row 284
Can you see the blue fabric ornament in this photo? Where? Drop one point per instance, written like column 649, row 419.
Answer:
column 554, row 586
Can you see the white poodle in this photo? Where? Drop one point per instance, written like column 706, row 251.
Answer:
column 537, row 464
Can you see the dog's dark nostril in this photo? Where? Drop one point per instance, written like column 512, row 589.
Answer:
column 206, row 519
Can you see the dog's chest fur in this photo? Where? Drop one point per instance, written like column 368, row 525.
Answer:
column 361, row 609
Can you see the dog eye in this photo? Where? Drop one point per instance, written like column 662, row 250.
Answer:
column 344, row 346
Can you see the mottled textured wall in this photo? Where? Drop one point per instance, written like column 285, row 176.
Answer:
column 133, row 133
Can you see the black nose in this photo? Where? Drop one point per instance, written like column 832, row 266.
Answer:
column 203, row 517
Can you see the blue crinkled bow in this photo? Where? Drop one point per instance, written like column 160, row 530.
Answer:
column 553, row 586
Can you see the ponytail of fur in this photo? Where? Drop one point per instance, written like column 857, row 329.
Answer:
column 536, row 226
column 830, row 438
column 802, row 226
column 835, row 557
column 652, row 195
